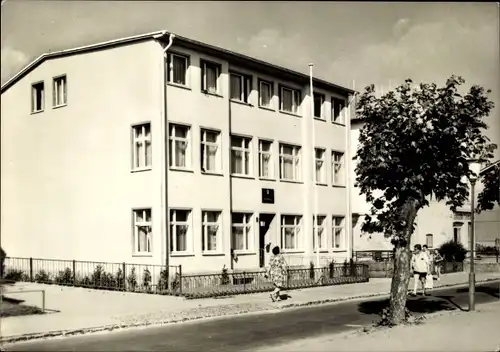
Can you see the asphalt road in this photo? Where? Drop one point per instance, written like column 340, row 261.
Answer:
column 246, row 332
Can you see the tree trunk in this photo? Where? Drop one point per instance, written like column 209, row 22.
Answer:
column 401, row 273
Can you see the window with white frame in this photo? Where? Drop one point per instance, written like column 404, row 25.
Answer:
column 319, row 100
column 141, row 146
column 319, row 233
column 265, row 94
column 241, row 225
column 290, row 231
column 142, row 230
column 211, row 231
column 210, row 77
column 210, row 151
column 320, row 165
column 180, row 230
column 289, row 100
column 338, row 168
column 180, row 149
column 37, row 97
column 338, row 110
column 241, row 155
column 59, row 91
column 290, row 162
column 429, row 240
column 338, row 232
column 177, row 68
column 240, row 87
column 266, row 159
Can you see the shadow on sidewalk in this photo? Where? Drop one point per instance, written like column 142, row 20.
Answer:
column 494, row 292
column 420, row 305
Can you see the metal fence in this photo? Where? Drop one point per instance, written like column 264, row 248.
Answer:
column 97, row 275
column 155, row 279
column 376, row 255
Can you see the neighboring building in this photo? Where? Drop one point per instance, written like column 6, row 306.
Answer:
column 111, row 153
column 435, row 224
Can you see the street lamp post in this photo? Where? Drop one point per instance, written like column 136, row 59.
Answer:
column 474, row 166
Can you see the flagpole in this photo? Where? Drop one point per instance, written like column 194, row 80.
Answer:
column 315, row 215
column 348, row 167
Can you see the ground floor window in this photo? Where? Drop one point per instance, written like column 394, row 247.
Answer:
column 290, row 232
column 142, row 230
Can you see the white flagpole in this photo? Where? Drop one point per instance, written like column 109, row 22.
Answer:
column 350, row 184
column 315, row 237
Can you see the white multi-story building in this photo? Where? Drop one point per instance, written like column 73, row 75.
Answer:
column 113, row 152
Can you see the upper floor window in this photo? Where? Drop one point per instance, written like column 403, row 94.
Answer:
column 289, row 100
column 320, row 165
column 142, row 231
column 265, row 159
column 210, row 151
column 180, row 149
column 319, row 100
column 265, row 94
column 141, row 153
column 240, row 87
column 37, row 97
column 210, row 77
column 177, row 68
column 429, row 240
column 338, row 177
column 338, row 110
column 60, row 91
column 241, row 155
column 290, row 162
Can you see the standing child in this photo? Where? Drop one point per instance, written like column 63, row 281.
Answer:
column 438, row 262
column 277, row 271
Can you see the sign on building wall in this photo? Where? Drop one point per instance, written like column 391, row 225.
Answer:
column 267, row 195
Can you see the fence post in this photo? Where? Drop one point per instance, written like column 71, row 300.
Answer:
column 74, row 272
column 244, row 282
column 31, row 269
column 124, row 267
column 43, row 301
column 180, row 279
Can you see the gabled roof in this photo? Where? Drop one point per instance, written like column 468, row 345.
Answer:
column 181, row 41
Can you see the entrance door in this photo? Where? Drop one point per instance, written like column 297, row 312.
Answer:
column 265, row 221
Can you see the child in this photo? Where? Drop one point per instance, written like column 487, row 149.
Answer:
column 277, row 271
column 420, row 267
column 438, row 261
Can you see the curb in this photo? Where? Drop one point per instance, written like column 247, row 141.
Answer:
column 64, row 333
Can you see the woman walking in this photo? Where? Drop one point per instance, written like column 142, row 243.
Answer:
column 438, row 262
column 277, row 272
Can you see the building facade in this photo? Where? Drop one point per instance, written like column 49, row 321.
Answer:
column 197, row 156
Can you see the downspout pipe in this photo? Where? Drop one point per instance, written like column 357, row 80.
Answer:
column 166, row 146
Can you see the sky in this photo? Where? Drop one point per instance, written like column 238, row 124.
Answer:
column 361, row 42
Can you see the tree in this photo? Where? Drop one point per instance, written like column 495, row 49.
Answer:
column 491, row 191
column 414, row 145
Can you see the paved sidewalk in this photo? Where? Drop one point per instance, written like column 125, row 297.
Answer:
column 77, row 310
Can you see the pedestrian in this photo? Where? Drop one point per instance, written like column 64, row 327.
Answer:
column 420, row 267
column 438, row 262
column 430, row 278
column 277, row 272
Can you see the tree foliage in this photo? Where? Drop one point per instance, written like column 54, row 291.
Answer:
column 415, row 144
column 490, row 195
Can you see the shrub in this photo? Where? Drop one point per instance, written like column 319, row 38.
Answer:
column 132, row 280
column 85, row 282
column 163, row 280
column 64, row 277
column 42, row 277
column 120, row 278
column 331, row 269
column 14, row 274
column 311, row 270
column 225, row 276
column 176, row 284
column 453, row 251
column 146, row 280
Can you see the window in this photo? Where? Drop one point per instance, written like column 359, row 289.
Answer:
column 338, row 110
column 290, row 231
column 142, row 231
column 37, row 97
column 338, row 232
column 180, row 230
column 319, row 233
column 265, row 94
column 265, row 159
column 457, row 232
column 241, row 231
column 210, row 77
column 241, row 86
column 240, row 155
column 290, row 100
column 290, row 162
column 338, row 168
column 320, row 165
column 180, row 150
column 177, row 68
column 210, row 231
column 429, row 240
column 141, row 146
column 319, row 99
column 210, row 151
column 59, row 91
